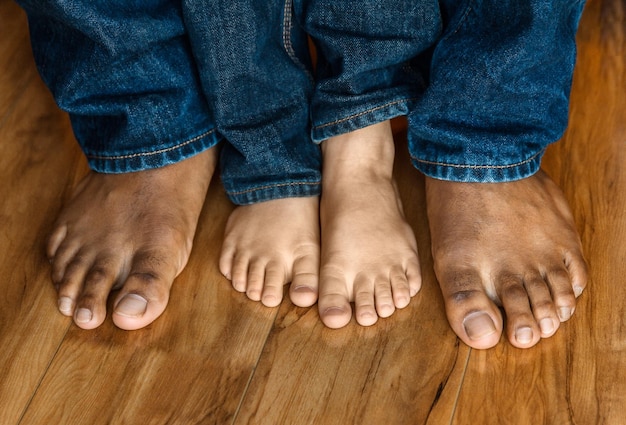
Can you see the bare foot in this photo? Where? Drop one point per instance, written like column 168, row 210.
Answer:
column 505, row 244
column 270, row 244
column 369, row 252
column 131, row 232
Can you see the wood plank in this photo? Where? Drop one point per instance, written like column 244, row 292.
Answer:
column 33, row 177
column 578, row 376
column 15, row 56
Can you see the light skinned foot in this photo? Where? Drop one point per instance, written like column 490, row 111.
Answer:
column 270, row 244
column 369, row 252
column 130, row 232
column 511, row 245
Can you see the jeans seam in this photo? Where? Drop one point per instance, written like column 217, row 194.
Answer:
column 456, row 29
column 287, row 25
column 273, row 186
column 157, row 152
column 367, row 111
column 478, row 167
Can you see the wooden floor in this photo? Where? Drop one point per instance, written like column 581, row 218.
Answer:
column 216, row 358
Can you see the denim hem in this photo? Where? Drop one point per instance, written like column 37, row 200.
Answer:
column 276, row 191
column 479, row 173
column 355, row 121
column 153, row 159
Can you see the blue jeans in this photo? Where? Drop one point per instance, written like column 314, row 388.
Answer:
column 485, row 84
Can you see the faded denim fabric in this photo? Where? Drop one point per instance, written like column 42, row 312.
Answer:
column 485, row 84
column 125, row 73
column 498, row 91
column 364, row 47
column 256, row 74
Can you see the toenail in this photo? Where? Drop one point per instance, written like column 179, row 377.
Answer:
column 402, row 301
column 334, row 311
column 132, row 305
column 524, row 335
column 547, row 326
column 83, row 315
column 303, row 288
column 478, row 325
column 577, row 291
column 65, row 305
column 366, row 314
column 565, row 313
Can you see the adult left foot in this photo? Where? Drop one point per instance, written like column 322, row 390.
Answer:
column 512, row 245
column 270, row 244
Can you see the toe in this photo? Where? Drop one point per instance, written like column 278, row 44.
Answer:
column 226, row 260
column 414, row 277
column 364, row 301
column 90, row 310
column 472, row 314
column 304, row 285
column 562, row 292
column 542, row 305
column 142, row 300
column 334, row 305
column 67, row 254
column 522, row 328
column 55, row 240
column 69, row 280
column 384, row 298
column 240, row 273
column 273, row 285
column 400, row 288
column 145, row 293
column 255, row 280
column 578, row 272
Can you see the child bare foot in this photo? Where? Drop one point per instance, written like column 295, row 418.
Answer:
column 131, row 232
column 369, row 252
column 270, row 244
column 512, row 245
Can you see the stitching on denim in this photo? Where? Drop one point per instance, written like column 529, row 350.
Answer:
column 274, row 186
column 395, row 102
column 287, row 26
column 135, row 155
column 478, row 167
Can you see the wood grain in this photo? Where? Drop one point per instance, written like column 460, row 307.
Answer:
column 216, row 358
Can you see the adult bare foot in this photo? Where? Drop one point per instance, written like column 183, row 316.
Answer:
column 512, row 245
column 369, row 252
column 270, row 244
column 131, row 232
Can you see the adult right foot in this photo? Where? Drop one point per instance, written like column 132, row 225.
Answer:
column 131, row 232
column 512, row 245
column 369, row 252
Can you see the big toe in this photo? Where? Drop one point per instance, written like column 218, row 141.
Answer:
column 304, row 285
column 473, row 316
column 479, row 329
column 141, row 301
column 334, row 304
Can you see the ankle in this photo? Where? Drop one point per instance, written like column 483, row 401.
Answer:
column 365, row 153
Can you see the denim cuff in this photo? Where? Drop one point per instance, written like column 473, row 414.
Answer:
column 373, row 114
column 468, row 173
column 156, row 158
column 270, row 192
